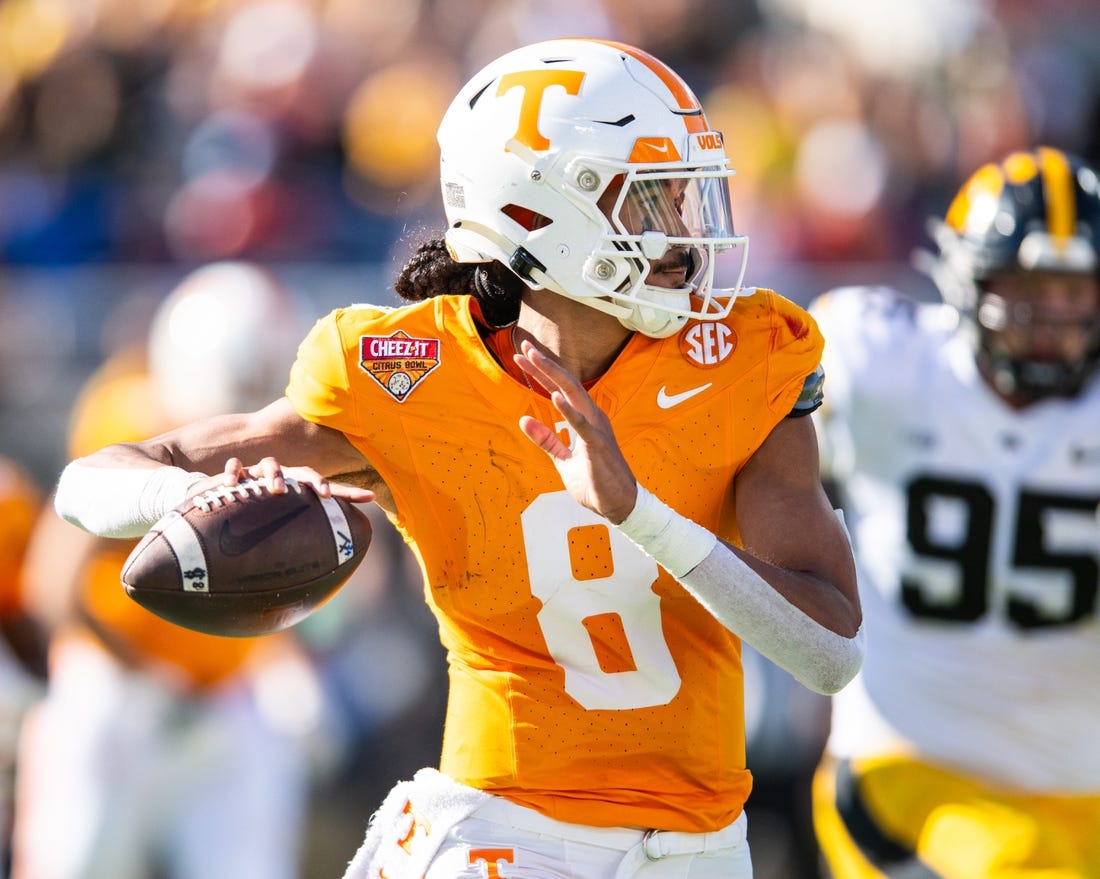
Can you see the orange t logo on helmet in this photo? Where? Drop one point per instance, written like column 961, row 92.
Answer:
column 534, row 84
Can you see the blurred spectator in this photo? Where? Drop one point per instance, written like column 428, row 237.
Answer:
column 183, row 763
column 291, row 130
column 22, row 669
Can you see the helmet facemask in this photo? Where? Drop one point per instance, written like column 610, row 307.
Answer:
column 659, row 223
column 1030, row 352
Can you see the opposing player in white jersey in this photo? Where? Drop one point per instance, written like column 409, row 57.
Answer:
column 964, row 437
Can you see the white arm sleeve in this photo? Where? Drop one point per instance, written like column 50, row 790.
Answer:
column 741, row 600
column 120, row 502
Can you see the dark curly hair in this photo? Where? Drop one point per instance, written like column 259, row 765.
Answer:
column 431, row 271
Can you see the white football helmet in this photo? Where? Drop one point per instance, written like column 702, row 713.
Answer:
column 534, row 149
column 223, row 341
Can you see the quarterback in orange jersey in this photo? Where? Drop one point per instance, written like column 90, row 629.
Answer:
column 150, row 746
column 599, row 460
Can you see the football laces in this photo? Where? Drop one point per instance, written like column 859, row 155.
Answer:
column 228, row 494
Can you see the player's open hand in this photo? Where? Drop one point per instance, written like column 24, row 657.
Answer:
column 593, row 469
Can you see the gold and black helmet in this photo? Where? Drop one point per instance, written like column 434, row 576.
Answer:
column 1034, row 211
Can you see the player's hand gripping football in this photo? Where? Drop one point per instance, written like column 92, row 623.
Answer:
column 274, row 476
column 594, row 470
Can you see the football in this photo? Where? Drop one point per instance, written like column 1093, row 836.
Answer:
column 240, row 561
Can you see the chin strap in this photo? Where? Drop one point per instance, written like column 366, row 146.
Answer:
column 652, row 322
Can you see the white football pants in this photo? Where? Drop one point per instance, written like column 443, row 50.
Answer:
column 434, row 828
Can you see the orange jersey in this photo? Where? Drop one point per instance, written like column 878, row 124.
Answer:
column 118, row 405
column 20, row 501
column 585, row 682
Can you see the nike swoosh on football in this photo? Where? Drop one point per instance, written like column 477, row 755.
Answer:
column 238, row 544
column 666, row 400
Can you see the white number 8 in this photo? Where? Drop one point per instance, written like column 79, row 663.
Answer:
column 567, row 602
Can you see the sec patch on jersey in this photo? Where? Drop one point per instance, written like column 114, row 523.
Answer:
column 240, row 561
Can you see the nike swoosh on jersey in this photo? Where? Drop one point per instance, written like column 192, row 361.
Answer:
column 666, row 400
column 238, row 544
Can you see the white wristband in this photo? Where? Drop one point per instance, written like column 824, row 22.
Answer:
column 120, row 502
column 677, row 543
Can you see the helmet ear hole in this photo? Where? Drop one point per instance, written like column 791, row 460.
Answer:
column 527, row 218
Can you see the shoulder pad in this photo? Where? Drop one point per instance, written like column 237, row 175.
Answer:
column 812, row 396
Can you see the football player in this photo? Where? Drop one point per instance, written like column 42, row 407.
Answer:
column 601, row 460
column 150, row 754
column 964, row 437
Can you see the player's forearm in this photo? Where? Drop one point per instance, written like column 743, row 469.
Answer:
column 744, row 602
column 122, row 489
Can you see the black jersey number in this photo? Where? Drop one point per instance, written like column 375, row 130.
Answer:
column 972, row 554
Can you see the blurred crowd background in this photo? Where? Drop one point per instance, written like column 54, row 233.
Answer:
column 140, row 139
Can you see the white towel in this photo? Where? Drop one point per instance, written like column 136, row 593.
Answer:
column 437, row 799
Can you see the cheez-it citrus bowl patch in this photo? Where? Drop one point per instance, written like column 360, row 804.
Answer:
column 706, row 343
column 398, row 362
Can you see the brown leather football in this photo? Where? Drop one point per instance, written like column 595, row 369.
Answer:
column 242, row 561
